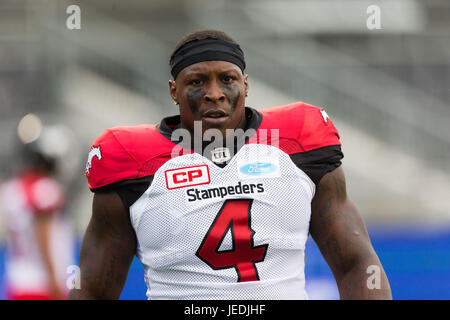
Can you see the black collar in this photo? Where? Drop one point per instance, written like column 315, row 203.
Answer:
column 169, row 124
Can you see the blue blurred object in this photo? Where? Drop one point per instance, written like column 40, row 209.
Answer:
column 135, row 288
column 416, row 260
column 2, row 271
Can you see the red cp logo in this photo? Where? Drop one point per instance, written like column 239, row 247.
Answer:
column 187, row 176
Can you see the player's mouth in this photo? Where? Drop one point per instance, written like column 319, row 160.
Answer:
column 215, row 117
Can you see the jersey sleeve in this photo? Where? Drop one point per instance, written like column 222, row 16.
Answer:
column 320, row 142
column 109, row 162
column 309, row 136
column 317, row 129
column 306, row 134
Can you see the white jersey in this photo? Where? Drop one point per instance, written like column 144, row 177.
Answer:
column 257, row 249
column 206, row 231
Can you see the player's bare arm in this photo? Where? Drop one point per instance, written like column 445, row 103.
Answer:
column 341, row 236
column 107, row 251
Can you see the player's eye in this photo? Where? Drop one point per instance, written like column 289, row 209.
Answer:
column 195, row 82
column 228, row 79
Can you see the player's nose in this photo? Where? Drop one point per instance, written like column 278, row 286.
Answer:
column 214, row 92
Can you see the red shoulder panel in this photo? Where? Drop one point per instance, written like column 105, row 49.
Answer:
column 301, row 127
column 318, row 131
column 124, row 153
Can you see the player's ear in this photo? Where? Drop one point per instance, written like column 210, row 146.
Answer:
column 246, row 84
column 173, row 90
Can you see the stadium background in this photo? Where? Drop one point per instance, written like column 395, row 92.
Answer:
column 387, row 91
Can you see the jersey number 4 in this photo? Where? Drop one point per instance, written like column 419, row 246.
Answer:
column 234, row 217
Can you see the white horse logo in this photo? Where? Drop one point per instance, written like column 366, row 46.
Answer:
column 324, row 115
column 95, row 152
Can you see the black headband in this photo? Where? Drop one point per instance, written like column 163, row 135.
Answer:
column 206, row 50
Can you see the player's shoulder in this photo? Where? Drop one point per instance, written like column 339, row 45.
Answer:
column 302, row 126
column 291, row 113
column 123, row 153
column 126, row 135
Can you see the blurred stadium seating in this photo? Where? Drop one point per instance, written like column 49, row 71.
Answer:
column 386, row 90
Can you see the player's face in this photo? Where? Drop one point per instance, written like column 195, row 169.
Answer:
column 212, row 92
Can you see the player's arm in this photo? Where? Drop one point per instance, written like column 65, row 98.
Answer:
column 340, row 233
column 107, row 251
column 42, row 227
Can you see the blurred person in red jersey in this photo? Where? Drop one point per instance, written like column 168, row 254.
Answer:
column 39, row 245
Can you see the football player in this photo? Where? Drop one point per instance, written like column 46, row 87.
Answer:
column 39, row 242
column 218, row 201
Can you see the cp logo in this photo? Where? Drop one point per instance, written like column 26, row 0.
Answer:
column 187, row 176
